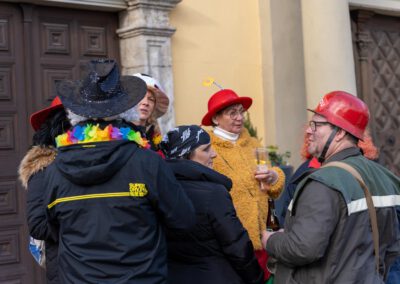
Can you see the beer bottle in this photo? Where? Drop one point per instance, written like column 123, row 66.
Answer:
column 272, row 220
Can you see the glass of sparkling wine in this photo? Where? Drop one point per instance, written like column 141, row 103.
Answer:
column 261, row 155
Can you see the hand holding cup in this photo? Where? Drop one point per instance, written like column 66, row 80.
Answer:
column 263, row 174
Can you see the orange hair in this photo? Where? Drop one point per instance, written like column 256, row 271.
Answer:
column 367, row 146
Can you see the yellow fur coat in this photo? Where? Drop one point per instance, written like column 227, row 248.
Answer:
column 238, row 163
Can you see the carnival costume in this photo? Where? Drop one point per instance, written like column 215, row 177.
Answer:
column 108, row 200
column 236, row 160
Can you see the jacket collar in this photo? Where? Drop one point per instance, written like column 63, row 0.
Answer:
column 190, row 170
column 344, row 154
column 35, row 160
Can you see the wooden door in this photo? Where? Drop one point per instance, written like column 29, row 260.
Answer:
column 377, row 56
column 16, row 265
column 38, row 47
column 62, row 41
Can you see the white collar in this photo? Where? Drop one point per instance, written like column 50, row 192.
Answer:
column 225, row 135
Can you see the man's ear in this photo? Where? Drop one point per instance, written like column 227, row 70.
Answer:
column 340, row 135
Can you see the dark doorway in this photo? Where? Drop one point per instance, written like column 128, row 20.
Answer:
column 38, row 47
column 377, row 55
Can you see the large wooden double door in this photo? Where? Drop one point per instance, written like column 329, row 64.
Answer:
column 377, row 56
column 38, row 47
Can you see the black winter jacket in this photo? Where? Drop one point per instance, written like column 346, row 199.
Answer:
column 31, row 175
column 107, row 204
column 217, row 249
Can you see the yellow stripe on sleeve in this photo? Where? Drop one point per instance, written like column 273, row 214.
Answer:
column 88, row 196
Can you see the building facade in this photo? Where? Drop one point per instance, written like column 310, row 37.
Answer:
column 285, row 54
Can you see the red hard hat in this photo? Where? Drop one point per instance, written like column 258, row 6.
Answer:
column 345, row 111
column 221, row 100
column 39, row 117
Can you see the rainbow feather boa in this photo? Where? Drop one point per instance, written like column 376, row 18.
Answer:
column 93, row 133
column 156, row 139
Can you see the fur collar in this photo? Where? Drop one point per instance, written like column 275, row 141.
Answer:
column 37, row 159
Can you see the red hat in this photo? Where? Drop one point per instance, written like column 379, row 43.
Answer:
column 221, row 100
column 39, row 117
column 345, row 111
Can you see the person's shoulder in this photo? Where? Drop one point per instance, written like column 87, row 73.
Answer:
column 245, row 139
column 331, row 175
column 216, row 192
column 147, row 157
column 220, row 202
column 213, row 196
column 209, row 130
column 148, row 153
column 316, row 184
column 336, row 180
column 208, row 188
column 315, row 191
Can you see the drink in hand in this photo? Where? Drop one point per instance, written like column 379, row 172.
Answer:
column 261, row 158
column 272, row 220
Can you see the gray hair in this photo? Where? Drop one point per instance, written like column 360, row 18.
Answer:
column 129, row 115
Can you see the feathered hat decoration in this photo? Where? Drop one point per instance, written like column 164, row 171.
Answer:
column 211, row 81
column 220, row 100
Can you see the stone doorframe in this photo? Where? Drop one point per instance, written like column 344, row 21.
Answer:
column 145, row 45
column 144, row 38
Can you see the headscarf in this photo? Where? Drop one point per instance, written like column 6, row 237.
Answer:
column 179, row 142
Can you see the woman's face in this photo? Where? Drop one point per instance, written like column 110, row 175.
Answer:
column 204, row 154
column 146, row 107
column 231, row 119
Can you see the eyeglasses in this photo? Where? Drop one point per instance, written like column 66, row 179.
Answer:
column 234, row 113
column 313, row 124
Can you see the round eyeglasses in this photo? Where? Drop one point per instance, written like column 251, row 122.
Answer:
column 313, row 124
column 234, row 113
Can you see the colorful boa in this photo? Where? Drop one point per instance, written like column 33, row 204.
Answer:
column 93, row 133
column 156, row 139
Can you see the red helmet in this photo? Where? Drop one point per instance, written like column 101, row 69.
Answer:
column 345, row 111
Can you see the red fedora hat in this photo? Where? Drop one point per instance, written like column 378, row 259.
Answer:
column 39, row 117
column 221, row 100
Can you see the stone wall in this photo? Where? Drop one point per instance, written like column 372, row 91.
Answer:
column 145, row 45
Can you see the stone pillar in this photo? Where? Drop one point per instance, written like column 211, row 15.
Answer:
column 328, row 51
column 283, row 76
column 145, row 45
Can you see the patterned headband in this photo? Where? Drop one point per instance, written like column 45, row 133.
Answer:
column 181, row 141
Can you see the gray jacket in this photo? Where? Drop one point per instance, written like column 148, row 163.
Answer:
column 327, row 238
